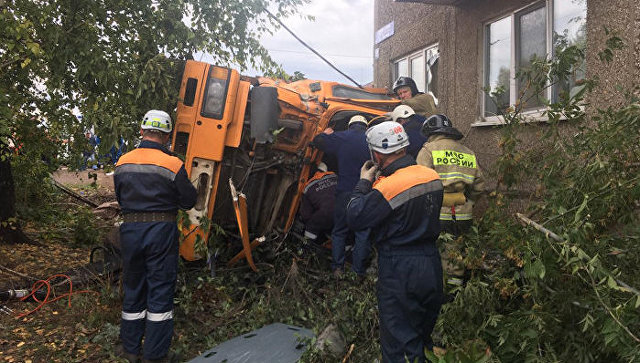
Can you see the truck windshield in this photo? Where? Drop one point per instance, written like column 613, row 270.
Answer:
column 355, row 93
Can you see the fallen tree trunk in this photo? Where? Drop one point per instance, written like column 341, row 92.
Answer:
column 74, row 194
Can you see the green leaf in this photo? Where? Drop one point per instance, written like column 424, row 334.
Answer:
column 530, row 333
column 535, row 269
column 34, row 47
column 578, row 214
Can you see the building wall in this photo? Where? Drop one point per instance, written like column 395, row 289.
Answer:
column 622, row 16
column 416, row 26
column 459, row 32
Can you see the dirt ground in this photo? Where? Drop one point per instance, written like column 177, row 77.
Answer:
column 104, row 179
column 82, row 328
column 85, row 326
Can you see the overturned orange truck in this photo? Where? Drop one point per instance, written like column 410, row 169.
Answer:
column 246, row 147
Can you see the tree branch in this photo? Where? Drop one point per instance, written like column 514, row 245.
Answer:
column 595, row 288
column 555, row 237
column 593, row 284
column 6, row 269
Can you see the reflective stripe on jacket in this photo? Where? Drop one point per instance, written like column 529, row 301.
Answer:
column 149, row 179
column 460, row 174
column 402, row 208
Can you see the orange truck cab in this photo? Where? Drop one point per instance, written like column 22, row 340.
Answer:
column 246, row 146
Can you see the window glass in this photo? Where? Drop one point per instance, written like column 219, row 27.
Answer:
column 569, row 29
column 402, row 68
column 215, row 98
column 433, row 56
column 531, row 40
column 498, row 72
column 348, row 92
column 418, row 72
column 422, row 67
column 190, row 91
column 215, row 93
column 532, row 44
column 182, row 141
column 570, row 21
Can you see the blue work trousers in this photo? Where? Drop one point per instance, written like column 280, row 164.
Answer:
column 150, row 257
column 409, row 300
column 339, row 235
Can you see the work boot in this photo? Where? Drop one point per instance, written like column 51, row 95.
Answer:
column 129, row 357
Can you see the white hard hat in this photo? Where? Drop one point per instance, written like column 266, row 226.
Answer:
column 387, row 137
column 402, row 111
column 357, row 118
column 322, row 166
column 156, row 120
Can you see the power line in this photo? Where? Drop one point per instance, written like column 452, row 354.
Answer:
column 311, row 49
column 330, row 55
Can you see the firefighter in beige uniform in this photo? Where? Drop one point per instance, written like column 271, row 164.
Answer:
column 407, row 91
column 461, row 177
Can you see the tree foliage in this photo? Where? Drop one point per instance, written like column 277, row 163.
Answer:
column 111, row 61
column 114, row 60
column 566, row 291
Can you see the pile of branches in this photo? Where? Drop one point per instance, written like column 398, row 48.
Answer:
column 294, row 287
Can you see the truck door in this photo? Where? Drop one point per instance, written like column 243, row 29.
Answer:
column 210, row 117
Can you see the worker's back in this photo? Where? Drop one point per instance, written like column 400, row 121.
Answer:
column 145, row 180
column 351, row 150
column 458, row 169
column 318, row 200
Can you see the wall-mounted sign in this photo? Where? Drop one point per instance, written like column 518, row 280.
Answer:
column 384, row 33
column 376, row 53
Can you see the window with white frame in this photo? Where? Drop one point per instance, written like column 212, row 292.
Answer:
column 422, row 67
column 512, row 41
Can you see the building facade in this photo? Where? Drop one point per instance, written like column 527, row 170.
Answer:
column 456, row 48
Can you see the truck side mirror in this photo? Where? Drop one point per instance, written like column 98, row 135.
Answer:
column 264, row 113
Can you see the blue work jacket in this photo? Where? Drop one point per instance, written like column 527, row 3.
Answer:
column 402, row 207
column 150, row 179
column 413, row 128
column 351, row 150
column 318, row 202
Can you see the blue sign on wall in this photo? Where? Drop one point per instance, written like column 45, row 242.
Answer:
column 384, row 32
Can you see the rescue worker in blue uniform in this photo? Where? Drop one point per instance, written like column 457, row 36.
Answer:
column 350, row 149
column 318, row 203
column 151, row 185
column 412, row 124
column 401, row 208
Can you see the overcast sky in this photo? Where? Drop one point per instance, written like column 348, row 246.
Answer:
column 342, row 32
